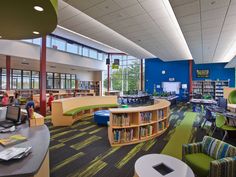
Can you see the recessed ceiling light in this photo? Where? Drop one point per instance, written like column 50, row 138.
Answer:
column 35, row 32
column 38, row 8
column 0, row 37
column 213, row 2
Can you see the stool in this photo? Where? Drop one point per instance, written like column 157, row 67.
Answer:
column 101, row 117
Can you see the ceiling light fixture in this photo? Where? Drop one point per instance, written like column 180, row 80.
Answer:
column 0, row 37
column 38, row 8
column 35, row 32
column 213, row 2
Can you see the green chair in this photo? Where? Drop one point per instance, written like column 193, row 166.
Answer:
column 232, row 97
column 207, row 96
column 221, row 123
column 210, row 158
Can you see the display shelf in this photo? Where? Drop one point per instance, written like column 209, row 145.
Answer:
column 137, row 123
column 214, row 88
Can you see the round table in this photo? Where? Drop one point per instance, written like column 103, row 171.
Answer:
column 144, row 166
column 101, row 117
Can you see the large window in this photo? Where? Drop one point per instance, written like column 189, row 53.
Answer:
column 16, row 79
column 68, row 81
column 49, row 80
column 23, row 79
column 67, row 45
column 26, row 79
column 35, row 80
column 63, row 81
column 57, row 81
column 73, row 78
column 126, row 77
column 3, row 79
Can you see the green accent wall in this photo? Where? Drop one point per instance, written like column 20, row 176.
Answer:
column 19, row 18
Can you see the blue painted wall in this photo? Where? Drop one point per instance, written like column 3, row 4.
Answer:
column 180, row 71
column 216, row 71
column 153, row 73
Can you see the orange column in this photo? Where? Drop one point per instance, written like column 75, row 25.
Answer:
column 43, row 102
column 190, row 76
column 8, row 72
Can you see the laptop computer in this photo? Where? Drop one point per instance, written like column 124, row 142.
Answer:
column 12, row 117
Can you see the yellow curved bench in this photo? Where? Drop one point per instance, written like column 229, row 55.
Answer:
column 68, row 110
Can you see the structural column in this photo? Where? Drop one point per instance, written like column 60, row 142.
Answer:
column 8, row 72
column 108, row 73
column 190, row 76
column 141, row 74
column 43, row 103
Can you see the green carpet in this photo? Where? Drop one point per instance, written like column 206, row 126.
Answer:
column 180, row 136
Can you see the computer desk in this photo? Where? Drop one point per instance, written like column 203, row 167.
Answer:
column 37, row 162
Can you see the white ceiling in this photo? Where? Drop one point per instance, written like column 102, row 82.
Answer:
column 149, row 23
column 205, row 30
column 209, row 27
column 75, row 20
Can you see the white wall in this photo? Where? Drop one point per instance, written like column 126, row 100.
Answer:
column 30, row 51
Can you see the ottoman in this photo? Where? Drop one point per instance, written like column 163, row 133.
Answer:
column 101, row 117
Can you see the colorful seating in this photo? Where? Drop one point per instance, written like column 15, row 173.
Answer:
column 211, row 157
column 232, row 97
column 221, row 123
column 101, row 117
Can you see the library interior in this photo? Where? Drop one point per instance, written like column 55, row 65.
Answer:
column 118, row 88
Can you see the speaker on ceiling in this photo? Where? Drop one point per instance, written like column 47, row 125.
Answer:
column 107, row 61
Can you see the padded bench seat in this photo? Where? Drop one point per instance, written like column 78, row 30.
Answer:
column 77, row 110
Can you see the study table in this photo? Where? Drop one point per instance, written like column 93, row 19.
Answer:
column 37, row 162
column 231, row 116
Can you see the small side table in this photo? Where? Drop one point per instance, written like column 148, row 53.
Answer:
column 144, row 166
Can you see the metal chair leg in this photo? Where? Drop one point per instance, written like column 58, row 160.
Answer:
column 204, row 123
column 213, row 131
column 226, row 133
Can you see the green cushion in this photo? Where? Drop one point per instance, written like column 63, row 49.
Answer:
column 232, row 97
column 220, row 120
column 199, row 163
column 77, row 110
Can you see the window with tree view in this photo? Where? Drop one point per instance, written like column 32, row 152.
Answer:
column 126, row 77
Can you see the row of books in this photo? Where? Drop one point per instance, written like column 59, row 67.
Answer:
column 160, row 114
column 146, row 117
column 121, row 120
column 161, row 125
column 146, row 131
column 124, row 135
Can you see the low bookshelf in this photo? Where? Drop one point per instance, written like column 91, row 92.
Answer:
column 137, row 124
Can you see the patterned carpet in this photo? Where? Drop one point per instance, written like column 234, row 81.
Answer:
column 83, row 149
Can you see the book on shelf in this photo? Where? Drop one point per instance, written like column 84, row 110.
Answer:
column 160, row 114
column 123, row 135
column 12, row 140
column 161, row 125
column 146, row 131
column 121, row 119
column 146, row 117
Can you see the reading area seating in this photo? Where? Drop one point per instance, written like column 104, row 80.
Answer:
column 211, row 157
column 66, row 111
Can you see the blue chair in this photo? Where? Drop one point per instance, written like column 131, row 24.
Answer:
column 208, row 118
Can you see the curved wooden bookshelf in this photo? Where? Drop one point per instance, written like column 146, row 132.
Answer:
column 138, row 124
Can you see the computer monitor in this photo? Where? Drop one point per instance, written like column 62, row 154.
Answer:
column 222, row 102
column 13, row 113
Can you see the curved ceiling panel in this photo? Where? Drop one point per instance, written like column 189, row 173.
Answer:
column 27, row 19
